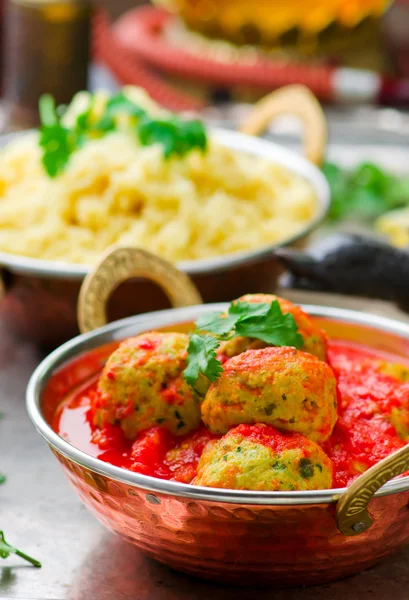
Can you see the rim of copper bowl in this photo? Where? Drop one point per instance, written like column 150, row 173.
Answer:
column 232, row 139
column 133, row 325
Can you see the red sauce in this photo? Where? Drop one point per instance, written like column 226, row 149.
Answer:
column 266, row 435
column 362, row 436
column 155, row 452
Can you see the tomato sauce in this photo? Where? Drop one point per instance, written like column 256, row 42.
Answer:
column 364, row 434
column 155, row 452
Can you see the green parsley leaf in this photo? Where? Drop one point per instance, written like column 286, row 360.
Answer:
column 83, row 127
column 57, row 141
column 273, row 328
column 121, row 104
column 48, row 112
column 249, row 309
column 218, row 323
column 222, row 324
column 82, row 123
column 365, row 192
column 202, row 359
column 176, row 136
column 57, row 144
column 2, row 478
column 193, row 134
column 117, row 105
column 260, row 321
column 6, row 550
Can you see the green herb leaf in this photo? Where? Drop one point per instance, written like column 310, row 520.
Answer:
column 202, row 359
column 2, row 478
column 176, row 136
column 193, row 134
column 398, row 193
column 364, row 193
column 273, row 328
column 6, row 550
column 222, row 324
column 82, row 123
column 57, row 144
column 245, row 310
column 117, row 105
column 218, row 323
column 47, row 110
column 338, row 184
column 57, row 141
column 261, row 321
column 121, row 104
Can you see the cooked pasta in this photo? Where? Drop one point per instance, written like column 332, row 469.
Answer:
column 115, row 190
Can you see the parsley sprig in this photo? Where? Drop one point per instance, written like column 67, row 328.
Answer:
column 176, row 136
column 365, row 192
column 58, row 142
column 263, row 321
column 202, row 359
column 6, row 550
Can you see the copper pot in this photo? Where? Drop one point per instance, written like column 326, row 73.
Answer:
column 39, row 296
column 252, row 538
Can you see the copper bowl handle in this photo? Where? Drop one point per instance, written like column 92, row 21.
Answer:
column 295, row 100
column 117, row 265
column 352, row 513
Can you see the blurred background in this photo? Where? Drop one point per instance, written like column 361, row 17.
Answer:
column 217, row 57
column 194, row 54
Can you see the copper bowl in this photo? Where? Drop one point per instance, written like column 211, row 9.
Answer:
column 246, row 537
column 40, row 296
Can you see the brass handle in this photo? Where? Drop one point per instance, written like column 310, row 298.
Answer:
column 117, row 265
column 352, row 513
column 296, row 100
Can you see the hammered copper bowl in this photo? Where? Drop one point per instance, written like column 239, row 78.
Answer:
column 251, row 538
column 38, row 298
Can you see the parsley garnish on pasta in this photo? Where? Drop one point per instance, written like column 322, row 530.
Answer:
column 177, row 137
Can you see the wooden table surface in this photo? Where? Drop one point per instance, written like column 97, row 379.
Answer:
column 81, row 561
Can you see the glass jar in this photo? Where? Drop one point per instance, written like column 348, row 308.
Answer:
column 46, row 50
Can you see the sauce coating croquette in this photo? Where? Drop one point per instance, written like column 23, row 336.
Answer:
column 142, row 386
column 258, row 457
column 283, row 387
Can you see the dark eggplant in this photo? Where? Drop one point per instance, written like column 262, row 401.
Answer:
column 350, row 264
